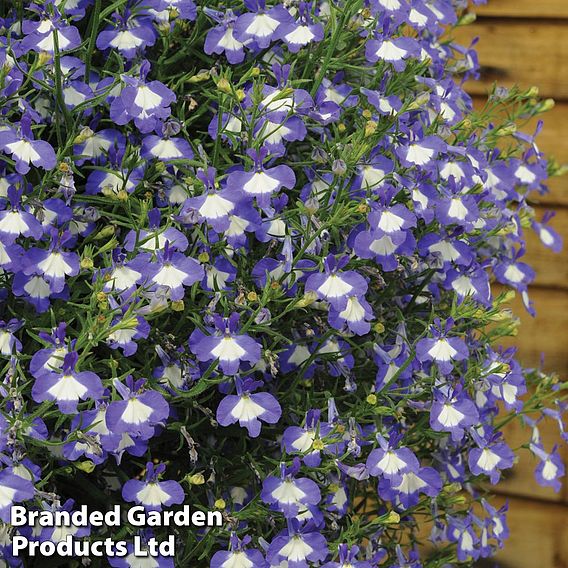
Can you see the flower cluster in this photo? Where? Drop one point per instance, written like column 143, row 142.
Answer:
column 255, row 256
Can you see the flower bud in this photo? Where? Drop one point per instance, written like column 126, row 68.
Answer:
column 220, row 504
column 420, row 101
column 339, row 167
column 263, row 316
column 379, row 327
column 547, row 105
column 319, row 155
column 318, row 445
column 177, row 306
column 87, row 263
column 87, row 466
column 532, row 93
column 467, row 19
column 224, row 86
column 104, row 233
column 83, row 136
column 370, row 128
column 200, row 77
column 507, row 130
column 393, row 518
column 196, row 479
column 308, row 299
column 43, row 58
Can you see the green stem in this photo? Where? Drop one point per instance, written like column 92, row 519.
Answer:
column 94, row 28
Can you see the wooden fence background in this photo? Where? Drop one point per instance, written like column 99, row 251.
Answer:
column 525, row 42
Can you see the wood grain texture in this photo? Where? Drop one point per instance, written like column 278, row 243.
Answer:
column 520, row 479
column 558, row 194
column 539, row 536
column 545, row 335
column 553, row 141
column 520, row 52
column 523, row 9
column 551, row 268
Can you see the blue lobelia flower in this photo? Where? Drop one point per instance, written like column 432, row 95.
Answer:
column 8, row 341
column 25, row 150
column 239, row 556
column 67, row 386
column 221, row 38
column 297, row 546
column 335, row 285
column 288, row 493
column 260, row 24
column 140, row 411
column 13, row 489
column 151, row 493
column 248, row 408
column 348, row 558
column 226, row 345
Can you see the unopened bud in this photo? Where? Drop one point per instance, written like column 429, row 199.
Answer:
column 379, row 327
column 319, row 155
column 224, row 86
column 467, row 19
column 308, row 299
column 420, row 101
column 104, row 233
column 200, row 77
column 87, row 263
column 507, row 130
column 177, row 306
column 370, row 128
column 312, row 205
column 196, row 479
column 83, row 136
column 393, row 518
column 44, row 57
column 87, row 466
column 532, row 93
column 372, row 399
column 339, row 167
column 547, row 105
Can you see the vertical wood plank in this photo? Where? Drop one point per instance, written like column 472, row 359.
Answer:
column 526, row 53
column 523, row 9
